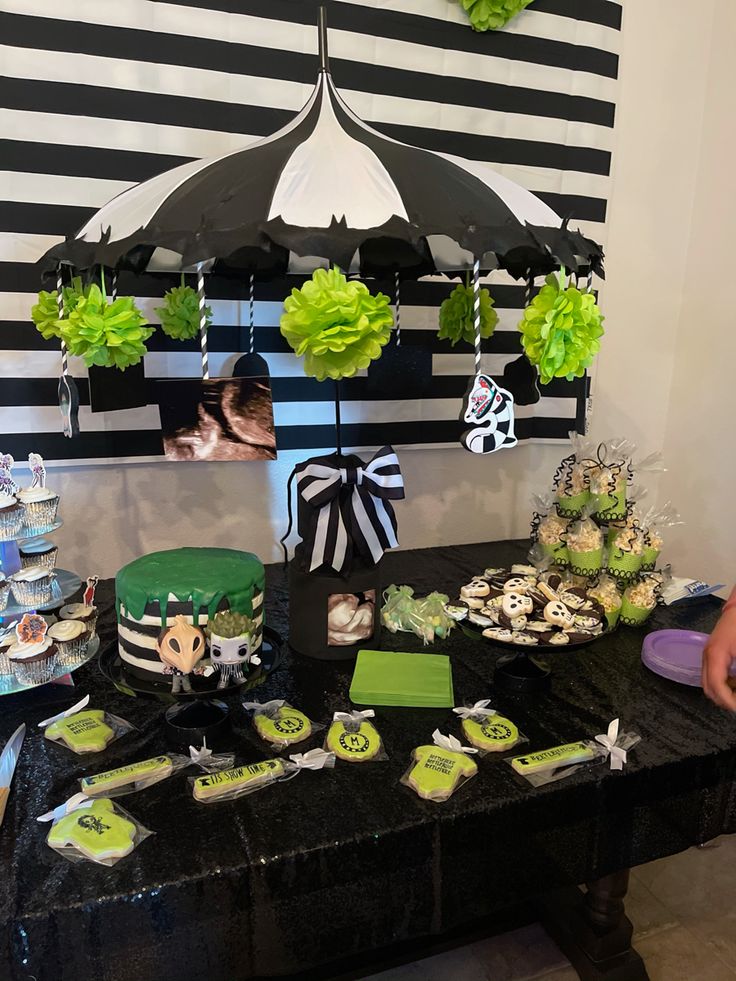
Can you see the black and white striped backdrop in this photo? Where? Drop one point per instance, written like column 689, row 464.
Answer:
column 98, row 96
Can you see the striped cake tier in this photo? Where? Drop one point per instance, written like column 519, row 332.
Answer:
column 137, row 636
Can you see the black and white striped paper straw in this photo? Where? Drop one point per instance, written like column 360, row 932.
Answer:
column 397, row 304
column 476, row 313
column 252, row 314
column 60, row 307
column 202, row 323
column 114, row 285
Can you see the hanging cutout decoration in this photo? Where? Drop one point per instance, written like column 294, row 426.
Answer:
column 488, row 408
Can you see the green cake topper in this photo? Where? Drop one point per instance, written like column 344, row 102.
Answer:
column 96, row 831
column 204, row 576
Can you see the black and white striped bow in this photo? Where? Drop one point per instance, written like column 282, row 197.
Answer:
column 351, row 508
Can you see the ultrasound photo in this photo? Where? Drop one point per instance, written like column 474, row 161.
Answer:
column 219, row 419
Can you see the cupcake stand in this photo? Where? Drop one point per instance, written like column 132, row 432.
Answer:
column 65, row 584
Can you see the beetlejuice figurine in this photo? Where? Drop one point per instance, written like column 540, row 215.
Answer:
column 181, row 647
column 232, row 639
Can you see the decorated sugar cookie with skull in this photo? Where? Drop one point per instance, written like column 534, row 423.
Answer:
column 180, row 648
column 232, row 642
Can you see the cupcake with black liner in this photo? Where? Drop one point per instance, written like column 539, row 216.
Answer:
column 41, row 505
column 12, row 516
column 32, row 587
column 80, row 611
column 39, row 553
column 33, row 663
column 72, row 638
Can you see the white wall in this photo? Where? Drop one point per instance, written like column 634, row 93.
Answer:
column 666, row 320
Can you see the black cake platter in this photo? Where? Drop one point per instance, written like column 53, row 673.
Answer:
column 134, row 684
column 65, row 585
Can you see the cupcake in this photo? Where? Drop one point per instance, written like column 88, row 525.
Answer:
column 78, row 611
column 41, row 505
column 606, row 593
column 12, row 516
column 639, row 601
column 71, row 638
column 4, row 592
column 585, row 547
column 33, row 664
column 39, row 553
column 550, row 536
column 6, row 668
column 32, row 587
column 625, row 552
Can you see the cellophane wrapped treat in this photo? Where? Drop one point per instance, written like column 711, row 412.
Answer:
column 353, row 738
column 132, row 777
column 486, row 730
column 640, row 599
column 549, row 529
column 438, row 770
column 585, row 544
column 609, row 479
column 93, row 830
column 625, row 551
column 279, row 723
column 84, row 730
column 424, row 616
column 241, row 781
column 654, row 521
column 606, row 591
column 571, row 479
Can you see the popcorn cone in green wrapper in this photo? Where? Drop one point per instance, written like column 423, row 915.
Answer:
column 605, row 591
column 570, row 507
column 649, row 558
column 610, row 506
column 627, row 564
column 586, row 563
column 632, row 615
column 585, row 545
column 558, row 553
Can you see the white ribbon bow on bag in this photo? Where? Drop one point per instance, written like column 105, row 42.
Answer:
column 608, row 741
column 479, row 710
column 354, row 716
column 315, row 759
column 264, row 708
column 451, row 742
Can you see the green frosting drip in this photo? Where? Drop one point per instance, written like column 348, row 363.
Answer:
column 204, row 576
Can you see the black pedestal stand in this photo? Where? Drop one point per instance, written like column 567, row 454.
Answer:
column 522, row 672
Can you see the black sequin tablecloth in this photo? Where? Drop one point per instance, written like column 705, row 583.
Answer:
column 334, row 864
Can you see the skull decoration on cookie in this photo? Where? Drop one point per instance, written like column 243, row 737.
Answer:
column 232, row 639
column 180, row 648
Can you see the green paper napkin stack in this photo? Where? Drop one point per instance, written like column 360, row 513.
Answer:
column 408, row 680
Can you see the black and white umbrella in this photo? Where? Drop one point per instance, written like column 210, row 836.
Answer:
column 329, row 187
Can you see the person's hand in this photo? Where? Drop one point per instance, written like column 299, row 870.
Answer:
column 719, row 653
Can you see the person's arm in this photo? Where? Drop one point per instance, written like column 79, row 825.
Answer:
column 720, row 652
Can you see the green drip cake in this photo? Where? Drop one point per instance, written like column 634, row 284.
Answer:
column 193, row 582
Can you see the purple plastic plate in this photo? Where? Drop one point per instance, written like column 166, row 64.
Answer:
column 675, row 654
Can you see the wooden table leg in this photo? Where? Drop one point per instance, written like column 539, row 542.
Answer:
column 592, row 929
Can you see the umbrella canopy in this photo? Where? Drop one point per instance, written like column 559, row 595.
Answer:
column 329, row 188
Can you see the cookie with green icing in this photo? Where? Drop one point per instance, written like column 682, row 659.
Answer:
column 492, row 734
column 98, row 832
column 147, row 771
column 286, row 726
column 84, row 732
column 354, row 744
column 239, row 780
column 437, row 772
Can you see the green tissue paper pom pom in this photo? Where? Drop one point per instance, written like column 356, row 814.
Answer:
column 490, row 15
column 456, row 316
column 180, row 313
column 336, row 325
column 108, row 335
column 561, row 330
column 45, row 312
